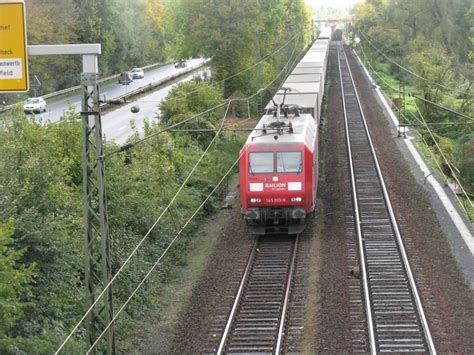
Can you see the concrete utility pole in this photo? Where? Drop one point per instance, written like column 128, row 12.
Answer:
column 97, row 244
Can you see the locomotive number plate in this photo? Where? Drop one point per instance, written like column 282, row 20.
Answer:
column 275, row 200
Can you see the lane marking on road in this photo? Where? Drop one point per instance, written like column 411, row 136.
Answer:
column 122, row 128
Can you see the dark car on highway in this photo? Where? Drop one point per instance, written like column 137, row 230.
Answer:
column 125, row 78
column 180, row 64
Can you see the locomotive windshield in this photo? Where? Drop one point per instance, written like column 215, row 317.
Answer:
column 288, row 162
column 261, row 163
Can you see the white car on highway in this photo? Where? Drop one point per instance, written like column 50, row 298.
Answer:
column 34, row 104
column 137, row 73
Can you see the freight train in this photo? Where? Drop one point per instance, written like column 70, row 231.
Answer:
column 280, row 159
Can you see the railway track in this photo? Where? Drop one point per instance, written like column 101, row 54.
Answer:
column 393, row 310
column 256, row 323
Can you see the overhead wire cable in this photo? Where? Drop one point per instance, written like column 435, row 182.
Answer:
column 433, row 156
column 169, row 204
column 443, row 155
column 147, row 275
column 425, row 125
column 442, row 107
column 440, row 169
column 263, row 59
column 229, row 77
column 168, row 247
column 106, row 287
column 406, row 69
column 132, row 144
column 411, row 94
column 376, row 73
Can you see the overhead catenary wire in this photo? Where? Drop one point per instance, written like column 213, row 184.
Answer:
column 164, row 253
column 411, row 94
column 173, row 199
column 442, row 107
column 435, row 159
column 147, row 275
column 106, row 287
column 442, row 154
column 423, row 124
column 375, row 72
column 426, row 126
column 440, row 169
column 433, row 156
column 132, row 144
column 224, row 102
column 263, row 59
column 406, row 69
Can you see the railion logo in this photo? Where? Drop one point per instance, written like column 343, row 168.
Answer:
column 275, row 185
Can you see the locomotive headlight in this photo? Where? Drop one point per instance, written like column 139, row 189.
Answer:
column 255, row 200
column 296, row 199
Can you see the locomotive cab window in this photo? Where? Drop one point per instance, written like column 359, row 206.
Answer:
column 289, row 162
column 261, row 163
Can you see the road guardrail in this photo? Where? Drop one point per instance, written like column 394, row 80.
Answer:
column 78, row 87
column 151, row 86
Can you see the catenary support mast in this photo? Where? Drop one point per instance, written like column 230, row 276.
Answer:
column 97, row 243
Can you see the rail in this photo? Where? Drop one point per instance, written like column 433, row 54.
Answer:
column 395, row 316
column 256, row 322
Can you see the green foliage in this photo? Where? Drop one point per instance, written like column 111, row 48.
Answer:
column 428, row 37
column 186, row 100
column 46, row 29
column 41, row 217
column 41, row 234
column 431, row 62
column 14, row 285
column 235, row 33
column 141, row 32
column 40, row 196
column 464, row 154
column 131, row 33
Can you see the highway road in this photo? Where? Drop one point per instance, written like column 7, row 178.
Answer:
column 117, row 124
column 113, row 90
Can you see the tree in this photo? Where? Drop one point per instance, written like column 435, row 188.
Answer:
column 14, row 285
column 435, row 42
column 46, row 29
column 156, row 16
column 465, row 159
column 188, row 99
column 42, row 199
column 231, row 32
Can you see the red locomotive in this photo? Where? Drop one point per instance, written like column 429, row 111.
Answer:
column 278, row 173
column 279, row 161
